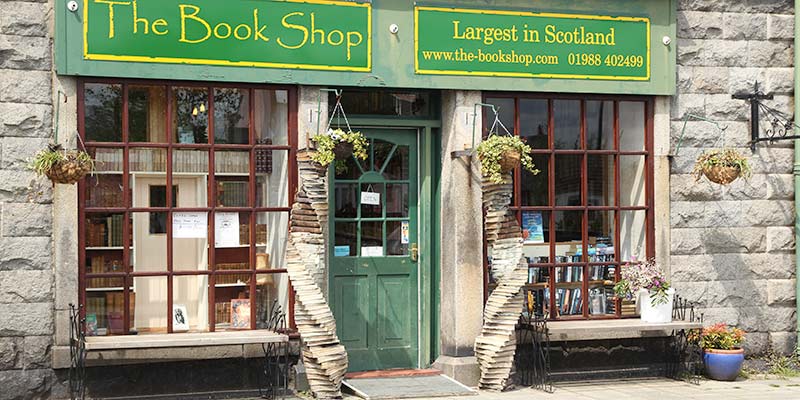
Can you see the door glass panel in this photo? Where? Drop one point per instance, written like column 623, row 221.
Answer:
column 348, row 169
column 397, row 238
column 372, row 239
column 397, row 200
column 381, row 151
column 567, row 124
column 397, row 168
column 372, row 190
column 346, row 202
column 345, row 239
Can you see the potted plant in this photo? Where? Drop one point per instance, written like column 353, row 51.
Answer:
column 646, row 283
column 499, row 154
column 336, row 144
column 723, row 354
column 62, row 166
column 722, row 166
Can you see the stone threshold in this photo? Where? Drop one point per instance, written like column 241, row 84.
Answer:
column 564, row 331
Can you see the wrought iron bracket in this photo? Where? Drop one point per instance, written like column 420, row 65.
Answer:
column 782, row 126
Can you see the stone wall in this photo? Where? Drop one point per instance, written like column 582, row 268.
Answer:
column 732, row 248
column 26, row 266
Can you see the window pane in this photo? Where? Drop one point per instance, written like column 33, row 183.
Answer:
column 599, row 125
column 105, row 307
column 103, row 112
column 397, row 238
column 150, row 304
column 104, row 231
column 569, row 238
column 601, row 298
column 190, row 303
column 369, row 210
column 189, row 241
column 397, row 167
column 272, row 178
column 394, row 103
column 633, row 235
column 535, row 189
column 601, row 236
column 372, row 238
column 232, row 231
column 346, row 239
column 145, row 160
column 600, row 175
column 567, row 124
column 533, row 122
column 568, row 179
column 272, row 230
column 149, row 249
column 232, row 175
column 158, row 199
column 104, row 187
column 231, row 116
column 272, row 291
column 569, row 296
column 348, row 168
column 536, row 236
column 346, row 200
column 272, row 117
column 191, row 115
column 632, row 181
column 397, row 200
column 631, row 126
column 505, row 110
column 190, row 162
column 147, row 114
column 232, row 302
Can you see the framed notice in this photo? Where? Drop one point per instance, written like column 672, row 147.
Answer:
column 532, row 227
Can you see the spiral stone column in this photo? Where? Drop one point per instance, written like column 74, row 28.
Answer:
column 324, row 357
column 496, row 345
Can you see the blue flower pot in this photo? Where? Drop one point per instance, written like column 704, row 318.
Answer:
column 723, row 365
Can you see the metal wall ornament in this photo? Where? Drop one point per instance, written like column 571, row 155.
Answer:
column 781, row 126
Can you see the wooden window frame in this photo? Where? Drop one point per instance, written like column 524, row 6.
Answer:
column 552, row 208
column 128, row 273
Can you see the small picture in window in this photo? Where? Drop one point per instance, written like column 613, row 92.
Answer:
column 240, row 313
column 180, row 318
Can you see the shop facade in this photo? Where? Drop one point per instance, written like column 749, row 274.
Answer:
column 196, row 113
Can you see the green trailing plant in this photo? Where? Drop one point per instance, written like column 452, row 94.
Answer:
column 726, row 157
column 326, row 143
column 55, row 162
column 492, row 151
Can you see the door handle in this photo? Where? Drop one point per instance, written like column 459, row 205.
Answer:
column 414, row 252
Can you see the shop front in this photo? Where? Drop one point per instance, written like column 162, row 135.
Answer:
column 197, row 115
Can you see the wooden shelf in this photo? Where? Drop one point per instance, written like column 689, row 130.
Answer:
column 107, row 289
column 224, row 285
column 105, row 248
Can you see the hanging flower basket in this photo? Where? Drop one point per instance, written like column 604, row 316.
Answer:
column 721, row 166
column 343, row 150
column 501, row 154
column 62, row 166
column 339, row 145
column 510, row 160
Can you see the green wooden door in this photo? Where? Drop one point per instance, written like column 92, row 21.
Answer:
column 373, row 269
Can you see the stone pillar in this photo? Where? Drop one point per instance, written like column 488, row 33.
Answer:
column 461, row 263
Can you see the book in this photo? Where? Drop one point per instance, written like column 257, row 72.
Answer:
column 240, row 313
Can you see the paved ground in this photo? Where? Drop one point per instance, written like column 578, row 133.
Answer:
column 659, row 389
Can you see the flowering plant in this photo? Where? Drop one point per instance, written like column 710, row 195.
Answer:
column 646, row 275
column 717, row 336
column 326, row 142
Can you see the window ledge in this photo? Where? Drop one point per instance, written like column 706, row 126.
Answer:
column 94, row 343
column 563, row 331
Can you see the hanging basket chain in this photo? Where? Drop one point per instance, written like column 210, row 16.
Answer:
column 338, row 113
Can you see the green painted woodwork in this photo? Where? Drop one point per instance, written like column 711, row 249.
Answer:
column 305, row 34
column 393, row 54
column 375, row 296
column 531, row 45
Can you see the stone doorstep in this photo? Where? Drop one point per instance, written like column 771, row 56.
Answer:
column 564, row 331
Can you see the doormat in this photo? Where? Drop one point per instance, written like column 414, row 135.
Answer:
column 405, row 387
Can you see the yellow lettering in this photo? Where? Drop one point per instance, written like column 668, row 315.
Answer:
column 286, row 24
column 550, row 34
column 227, row 33
column 111, row 5
column 158, row 23
column 258, row 29
column 351, row 43
column 242, row 37
column 192, row 16
column 137, row 20
column 314, row 31
column 611, row 38
column 455, row 31
column 335, row 42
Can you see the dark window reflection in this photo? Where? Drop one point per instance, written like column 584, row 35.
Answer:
column 568, row 180
column 397, row 168
column 534, row 189
column 191, row 114
column 600, row 180
column 147, row 114
column 231, row 116
column 599, row 125
column 533, row 122
column 372, row 234
column 346, row 201
column 103, row 109
column 567, row 124
column 395, row 103
column 345, row 239
column 158, row 198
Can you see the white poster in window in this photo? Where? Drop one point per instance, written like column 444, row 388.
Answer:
column 404, row 233
column 180, row 318
column 372, row 251
column 226, row 229
column 371, row 198
column 189, row 225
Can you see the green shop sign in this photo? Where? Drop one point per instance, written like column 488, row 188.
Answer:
column 451, row 41
column 296, row 34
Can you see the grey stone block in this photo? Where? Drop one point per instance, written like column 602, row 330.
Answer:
column 699, row 24
column 780, row 26
column 18, row 152
column 712, row 5
column 9, row 353
column 783, row 342
column 780, row 238
column 712, row 267
column 36, row 352
column 723, row 293
column 737, row 213
column 26, row 120
column 26, row 253
column 24, row 18
column 738, row 26
column 18, row 86
column 718, row 240
column 24, row 186
column 702, row 79
column 29, row 319
column 712, row 52
column 781, row 292
column 770, row 54
column 27, row 219
column 31, row 384
column 26, row 286
column 25, row 53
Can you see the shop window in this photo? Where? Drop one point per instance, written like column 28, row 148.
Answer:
column 590, row 209
column 208, row 254
column 389, row 102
